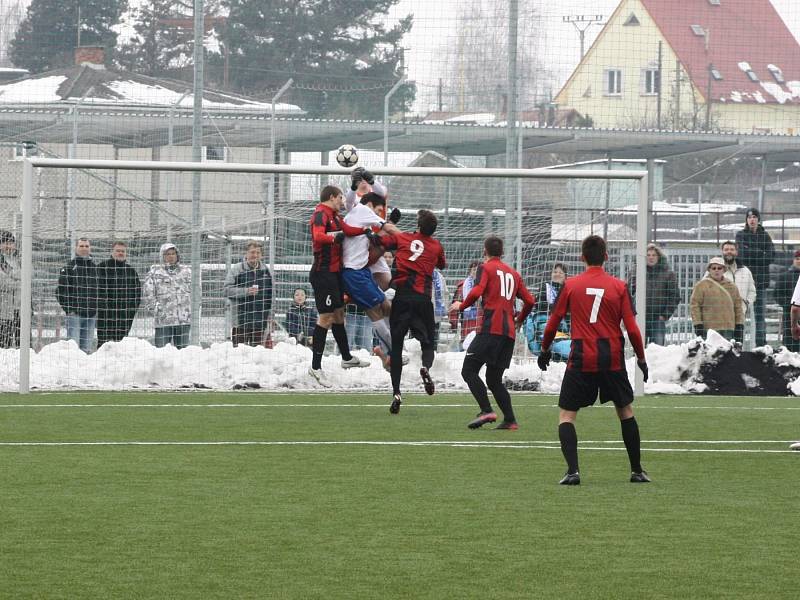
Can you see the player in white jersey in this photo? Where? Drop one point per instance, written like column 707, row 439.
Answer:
column 363, row 182
column 795, row 324
column 356, row 274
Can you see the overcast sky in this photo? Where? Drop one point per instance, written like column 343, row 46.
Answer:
column 434, row 22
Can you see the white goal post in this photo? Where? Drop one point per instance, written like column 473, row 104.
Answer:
column 34, row 166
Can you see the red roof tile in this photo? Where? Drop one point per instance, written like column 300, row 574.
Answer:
column 741, row 31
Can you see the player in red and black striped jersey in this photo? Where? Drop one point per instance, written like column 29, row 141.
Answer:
column 328, row 230
column 499, row 286
column 417, row 254
column 597, row 302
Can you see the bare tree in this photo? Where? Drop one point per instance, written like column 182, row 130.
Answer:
column 474, row 76
column 11, row 14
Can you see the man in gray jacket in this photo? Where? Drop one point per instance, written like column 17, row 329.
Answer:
column 249, row 286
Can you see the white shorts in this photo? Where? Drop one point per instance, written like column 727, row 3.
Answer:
column 380, row 266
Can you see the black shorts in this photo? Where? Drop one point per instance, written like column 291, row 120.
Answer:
column 579, row 389
column 413, row 312
column 493, row 350
column 328, row 295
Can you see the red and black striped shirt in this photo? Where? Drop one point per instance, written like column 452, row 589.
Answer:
column 499, row 286
column 597, row 302
column 416, row 257
column 328, row 253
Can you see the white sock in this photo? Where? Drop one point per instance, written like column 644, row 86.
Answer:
column 384, row 334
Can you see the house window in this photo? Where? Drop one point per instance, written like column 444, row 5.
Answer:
column 25, row 150
column 632, row 21
column 613, row 82
column 219, row 153
column 776, row 73
column 651, row 82
column 698, row 30
column 715, row 73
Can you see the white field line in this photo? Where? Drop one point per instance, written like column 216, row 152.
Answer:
column 362, row 405
column 540, row 445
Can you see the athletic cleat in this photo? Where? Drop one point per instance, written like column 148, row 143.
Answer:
column 510, row 425
column 640, row 477
column 795, row 446
column 481, row 419
column 318, row 376
column 427, row 382
column 394, row 407
column 354, row 362
column 570, row 479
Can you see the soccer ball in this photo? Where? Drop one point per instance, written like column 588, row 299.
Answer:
column 347, row 155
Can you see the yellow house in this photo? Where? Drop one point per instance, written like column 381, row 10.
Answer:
column 719, row 65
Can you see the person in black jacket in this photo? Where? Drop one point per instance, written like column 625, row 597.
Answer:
column 120, row 294
column 301, row 318
column 757, row 252
column 249, row 285
column 77, row 294
column 662, row 294
column 783, row 296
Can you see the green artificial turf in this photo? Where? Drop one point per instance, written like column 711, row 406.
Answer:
column 479, row 515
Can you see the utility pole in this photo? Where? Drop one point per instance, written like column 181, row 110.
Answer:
column 581, row 24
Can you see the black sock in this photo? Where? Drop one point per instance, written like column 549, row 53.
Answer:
column 633, row 443
column 469, row 372
column 340, row 335
column 427, row 357
column 318, row 346
column 569, row 445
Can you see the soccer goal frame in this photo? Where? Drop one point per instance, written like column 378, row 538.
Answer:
column 27, row 209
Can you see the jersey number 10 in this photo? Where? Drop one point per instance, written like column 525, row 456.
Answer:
column 506, row 284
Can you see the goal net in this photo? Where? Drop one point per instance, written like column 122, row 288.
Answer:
column 133, row 271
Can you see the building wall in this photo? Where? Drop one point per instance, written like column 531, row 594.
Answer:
column 633, row 48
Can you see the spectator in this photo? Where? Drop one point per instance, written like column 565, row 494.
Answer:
column 439, row 298
column 249, row 286
column 536, row 321
column 77, row 294
column 168, row 293
column 716, row 304
column 9, row 291
column 120, row 292
column 662, row 295
column 736, row 272
column 783, row 296
column 301, row 318
column 469, row 319
column 757, row 252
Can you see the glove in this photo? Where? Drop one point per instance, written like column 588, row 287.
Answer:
column 367, row 176
column 544, row 359
column 643, row 368
column 338, row 237
column 700, row 331
column 356, row 175
column 738, row 333
column 394, row 216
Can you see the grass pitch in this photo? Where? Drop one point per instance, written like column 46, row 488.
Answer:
column 246, row 495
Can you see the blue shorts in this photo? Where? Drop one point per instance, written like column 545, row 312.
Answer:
column 362, row 288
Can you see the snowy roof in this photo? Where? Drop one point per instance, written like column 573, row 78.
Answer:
column 105, row 87
column 748, row 43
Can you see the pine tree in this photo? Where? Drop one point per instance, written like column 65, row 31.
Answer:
column 340, row 53
column 48, row 35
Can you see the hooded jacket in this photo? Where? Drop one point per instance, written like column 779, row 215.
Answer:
column 168, row 291
column 662, row 291
column 78, row 289
column 756, row 251
column 249, row 309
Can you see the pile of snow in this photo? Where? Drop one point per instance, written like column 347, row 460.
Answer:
column 711, row 366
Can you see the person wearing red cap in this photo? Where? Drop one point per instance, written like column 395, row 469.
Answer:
column 783, row 296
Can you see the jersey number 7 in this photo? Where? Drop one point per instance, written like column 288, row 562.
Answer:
column 598, row 298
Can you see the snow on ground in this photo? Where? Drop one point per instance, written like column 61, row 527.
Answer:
column 136, row 364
